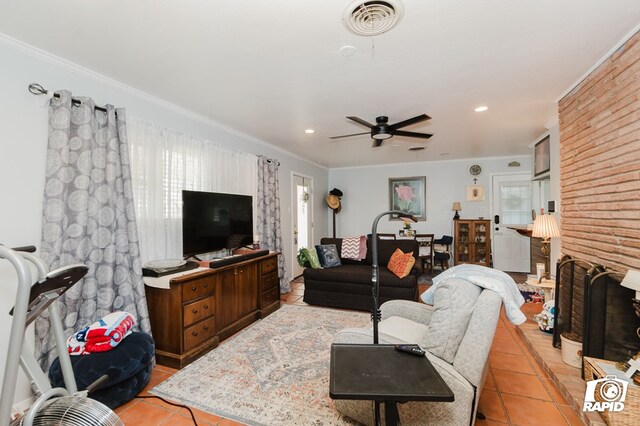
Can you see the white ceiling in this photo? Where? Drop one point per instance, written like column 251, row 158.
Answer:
column 273, row 69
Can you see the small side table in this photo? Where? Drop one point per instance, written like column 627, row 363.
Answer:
column 383, row 374
column 549, row 287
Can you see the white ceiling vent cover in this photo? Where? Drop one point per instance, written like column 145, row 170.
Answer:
column 371, row 18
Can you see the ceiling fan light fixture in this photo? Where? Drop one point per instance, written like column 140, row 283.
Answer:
column 381, row 136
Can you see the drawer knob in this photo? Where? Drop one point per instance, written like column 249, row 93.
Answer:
column 193, row 288
column 206, row 285
column 195, row 333
column 205, row 328
column 206, row 306
column 195, row 311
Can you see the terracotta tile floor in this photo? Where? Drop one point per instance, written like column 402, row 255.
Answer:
column 517, row 390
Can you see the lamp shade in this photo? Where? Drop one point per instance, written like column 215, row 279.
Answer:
column 545, row 226
column 456, row 206
column 631, row 280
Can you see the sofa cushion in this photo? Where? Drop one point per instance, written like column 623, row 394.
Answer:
column 386, row 248
column 338, row 243
column 358, row 274
column 454, row 300
column 328, row 255
column 401, row 263
column 403, row 328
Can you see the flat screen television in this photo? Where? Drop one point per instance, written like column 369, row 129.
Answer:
column 213, row 221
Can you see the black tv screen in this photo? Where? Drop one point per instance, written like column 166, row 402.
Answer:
column 213, row 221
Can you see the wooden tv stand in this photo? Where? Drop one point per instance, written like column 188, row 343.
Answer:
column 203, row 308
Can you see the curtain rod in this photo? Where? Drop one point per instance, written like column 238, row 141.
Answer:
column 37, row 89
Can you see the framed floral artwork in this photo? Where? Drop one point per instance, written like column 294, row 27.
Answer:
column 408, row 195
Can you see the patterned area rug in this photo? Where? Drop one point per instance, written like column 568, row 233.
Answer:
column 274, row 372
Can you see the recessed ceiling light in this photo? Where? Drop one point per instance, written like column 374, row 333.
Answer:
column 309, row 131
column 481, row 108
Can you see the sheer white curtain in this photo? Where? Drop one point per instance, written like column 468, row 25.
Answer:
column 163, row 163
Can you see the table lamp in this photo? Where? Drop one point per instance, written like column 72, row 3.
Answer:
column 545, row 227
column 456, row 208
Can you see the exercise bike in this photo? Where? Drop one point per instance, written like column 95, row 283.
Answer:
column 60, row 406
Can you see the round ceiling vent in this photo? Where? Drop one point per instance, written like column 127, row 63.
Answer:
column 371, row 18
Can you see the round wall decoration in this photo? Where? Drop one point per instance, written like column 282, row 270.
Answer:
column 475, row 170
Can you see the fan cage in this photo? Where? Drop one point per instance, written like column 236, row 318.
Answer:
column 74, row 411
column 372, row 17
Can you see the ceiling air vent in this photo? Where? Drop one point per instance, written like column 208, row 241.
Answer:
column 417, row 148
column 371, row 18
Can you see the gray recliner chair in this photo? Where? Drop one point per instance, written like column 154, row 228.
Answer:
column 457, row 333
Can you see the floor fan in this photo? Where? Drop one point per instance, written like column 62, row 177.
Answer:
column 64, row 406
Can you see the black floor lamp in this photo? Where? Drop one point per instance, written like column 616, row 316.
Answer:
column 375, row 312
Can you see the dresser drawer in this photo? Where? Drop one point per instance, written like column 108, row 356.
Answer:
column 199, row 333
column 269, row 265
column 269, row 281
column 270, row 296
column 195, row 311
column 197, row 288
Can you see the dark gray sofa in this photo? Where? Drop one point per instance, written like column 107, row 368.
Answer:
column 349, row 286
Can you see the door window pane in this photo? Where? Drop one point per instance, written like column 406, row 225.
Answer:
column 516, row 203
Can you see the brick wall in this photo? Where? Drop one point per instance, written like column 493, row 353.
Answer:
column 600, row 163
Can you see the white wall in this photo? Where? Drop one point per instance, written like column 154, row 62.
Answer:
column 554, row 191
column 366, row 193
column 24, row 140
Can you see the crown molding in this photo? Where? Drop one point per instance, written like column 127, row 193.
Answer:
column 74, row 68
column 427, row 162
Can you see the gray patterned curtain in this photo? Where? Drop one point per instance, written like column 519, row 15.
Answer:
column 89, row 218
column 268, row 214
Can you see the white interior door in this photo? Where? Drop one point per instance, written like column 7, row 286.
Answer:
column 301, row 217
column 511, row 195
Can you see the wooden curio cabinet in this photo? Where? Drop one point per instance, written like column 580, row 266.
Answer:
column 472, row 242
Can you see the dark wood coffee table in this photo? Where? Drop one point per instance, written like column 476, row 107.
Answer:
column 382, row 374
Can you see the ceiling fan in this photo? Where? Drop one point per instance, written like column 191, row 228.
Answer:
column 383, row 130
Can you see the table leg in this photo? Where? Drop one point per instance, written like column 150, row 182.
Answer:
column 391, row 415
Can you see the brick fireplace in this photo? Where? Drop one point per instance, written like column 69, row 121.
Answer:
column 599, row 124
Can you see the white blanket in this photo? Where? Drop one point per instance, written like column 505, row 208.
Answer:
column 488, row 278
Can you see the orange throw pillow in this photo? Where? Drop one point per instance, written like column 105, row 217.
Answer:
column 401, row 263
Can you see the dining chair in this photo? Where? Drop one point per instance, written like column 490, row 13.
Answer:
column 425, row 251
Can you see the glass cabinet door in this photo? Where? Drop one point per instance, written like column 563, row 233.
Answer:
column 480, row 240
column 464, row 241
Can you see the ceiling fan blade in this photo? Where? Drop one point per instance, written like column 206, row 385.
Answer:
column 411, row 134
column 376, row 143
column 410, row 121
column 346, row 136
column 361, row 121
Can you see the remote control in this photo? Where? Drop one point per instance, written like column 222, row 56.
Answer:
column 411, row 349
